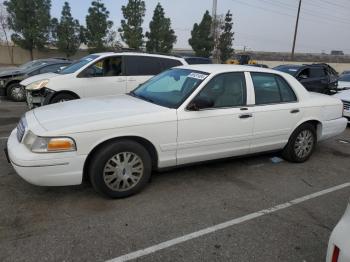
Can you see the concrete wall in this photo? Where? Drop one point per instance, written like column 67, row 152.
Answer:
column 340, row 67
column 21, row 56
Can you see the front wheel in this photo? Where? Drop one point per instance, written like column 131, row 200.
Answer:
column 16, row 92
column 301, row 144
column 120, row 169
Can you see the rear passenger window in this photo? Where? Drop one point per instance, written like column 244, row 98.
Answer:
column 169, row 63
column 271, row 89
column 317, row 72
column 142, row 66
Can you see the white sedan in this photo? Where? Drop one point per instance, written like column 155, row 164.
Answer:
column 338, row 247
column 185, row 115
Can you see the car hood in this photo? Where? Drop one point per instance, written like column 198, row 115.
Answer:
column 4, row 69
column 11, row 73
column 35, row 78
column 85, row 115
column 343, row 95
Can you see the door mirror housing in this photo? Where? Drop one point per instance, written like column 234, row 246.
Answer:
column 200, row 102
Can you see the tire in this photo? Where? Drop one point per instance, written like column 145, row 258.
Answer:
column 62, row 97
column 116, row 180
column 16, row 92
column 301, row 144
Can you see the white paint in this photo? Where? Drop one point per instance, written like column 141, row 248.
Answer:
column 212, row 229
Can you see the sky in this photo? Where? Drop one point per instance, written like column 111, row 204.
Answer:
column 260, row 25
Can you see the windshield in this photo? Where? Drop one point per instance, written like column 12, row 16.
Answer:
column 345, row 78
column 292, row 70
column 78, row 64
column 170, row 88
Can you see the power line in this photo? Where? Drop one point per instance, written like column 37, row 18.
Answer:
column 309, row 12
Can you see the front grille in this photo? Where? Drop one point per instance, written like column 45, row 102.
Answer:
column 21, row 129
column 346, row 105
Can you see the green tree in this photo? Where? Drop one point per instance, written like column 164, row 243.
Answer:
column 226, row 38
column 97, row 26
column 131, row 30
column 161, row 37
column 202, row 41
column 67, row 32
column 30, row 22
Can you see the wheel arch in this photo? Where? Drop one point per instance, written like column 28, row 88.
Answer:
column 14, row 81
column 66, row 92
column 143, row 141
column 314, row 122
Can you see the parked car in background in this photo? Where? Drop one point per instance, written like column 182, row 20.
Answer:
column 320, row 78
column 10, row 79
column 97, row 75
column 345, row 72
column 344, row 96
column 259, row 65
column 339, row 243
column 193, row 60
column 185, row 115
column 344, row 82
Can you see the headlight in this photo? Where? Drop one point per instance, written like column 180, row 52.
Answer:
column 49, row 144
column 38, row 85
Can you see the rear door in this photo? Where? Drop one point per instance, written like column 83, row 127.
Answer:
column 315, row 79
column 141, row 68
column 276, row 112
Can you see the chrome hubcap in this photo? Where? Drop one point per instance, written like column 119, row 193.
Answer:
column 17, row 92
column 123, row 171
column 304, row 144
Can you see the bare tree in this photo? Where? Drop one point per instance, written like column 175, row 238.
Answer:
column 4, row 31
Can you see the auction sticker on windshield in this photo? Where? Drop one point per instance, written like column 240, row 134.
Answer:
column 198, row 76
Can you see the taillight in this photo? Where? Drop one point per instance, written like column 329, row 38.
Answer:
column 336, row 253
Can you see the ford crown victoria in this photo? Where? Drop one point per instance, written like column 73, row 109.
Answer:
column 184, row 115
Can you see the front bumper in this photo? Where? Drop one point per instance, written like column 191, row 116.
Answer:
column 38, row 98
column 340, row 238
column 51, row 169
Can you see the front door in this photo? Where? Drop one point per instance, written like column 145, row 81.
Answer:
column 105, row 77
column 222, row 130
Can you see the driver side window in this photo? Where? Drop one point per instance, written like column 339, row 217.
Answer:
column 226, row 90
column 107, row 67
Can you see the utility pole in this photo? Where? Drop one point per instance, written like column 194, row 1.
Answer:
column 214, row 27
column 296, row 30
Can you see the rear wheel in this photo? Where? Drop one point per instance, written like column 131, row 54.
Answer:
column 301, row 144
column 120, row 169
column 63, row 97
column 16, row 92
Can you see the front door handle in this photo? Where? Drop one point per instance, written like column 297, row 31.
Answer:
column 245, row 116
column 295, row 111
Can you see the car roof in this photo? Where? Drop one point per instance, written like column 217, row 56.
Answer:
column 169, row 56
column 222, row 68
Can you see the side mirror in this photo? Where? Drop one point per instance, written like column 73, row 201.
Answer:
column 200, row 102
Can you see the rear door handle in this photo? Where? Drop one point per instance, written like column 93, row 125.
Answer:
column 294, row 111
column 245, row 116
